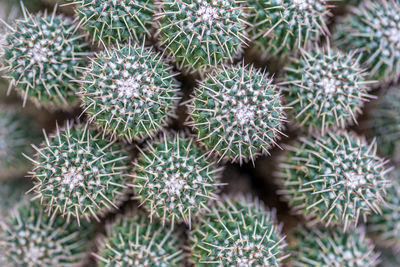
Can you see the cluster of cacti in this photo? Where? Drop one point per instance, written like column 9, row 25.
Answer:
column 151, row 107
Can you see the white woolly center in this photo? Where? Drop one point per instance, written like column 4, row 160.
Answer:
column 128, row 88
column 303, row 4
column 174, row 185
column 394, row 36
column 39, row 53
column 244, row 113
column 71, row 177
column 34, row 253
column 355, row 180
column 330, row 85
column 207, row 13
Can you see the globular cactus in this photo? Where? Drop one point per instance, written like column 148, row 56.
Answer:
column 377, row 43
column 325, row 88
column 132, row 240
column 201, row 34
column 237, row 113
column 237, row 231
column 282, row 26
column 77, row 173
column 129, row 92
column 333, row 179
column 322, row 246
column 174, row 180
column 33, row 238
column 40, row 58
column 113, row 22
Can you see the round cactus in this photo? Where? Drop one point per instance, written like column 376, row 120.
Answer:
column 202, row 34
column 116, row 21
column 325, row 88
column 79, row 174
column 135, row 241
column 280, row 27
column 32, row 238
column 41, row 57
column 333, row 178
column 237, row 232
column 174, row 179
column 129, row 92
column 332, row 247
column 237, row 113
column 377, row 43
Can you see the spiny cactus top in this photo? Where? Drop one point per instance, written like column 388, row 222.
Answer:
column 373, row 28
column 41, row 56
column 325, row 88
column 282, row 26
column 237, row 113
column 135, row 241
column 333, row 178
column 322, row 246
column 174, row 179
column 237, row 232
column 200, row 34
column 129, row 91
column 79, row 174
column 116, row 21
column 32, row 238
column 17, row 133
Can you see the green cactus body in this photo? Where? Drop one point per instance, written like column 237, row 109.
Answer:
column 237, row 113
column 202, row 34
column 333, row 179
column 237, row 232
column 174, row 179
column 332, row 247
column 282, row 26
column 377, row 43
column 116, row 21
column 129, row 92
column 326, row 89
column 32, row 238
column 42, row 54
column 135, row 241
column 78, row 174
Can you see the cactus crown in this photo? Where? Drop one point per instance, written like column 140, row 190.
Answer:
column 237, row 113
column 129, row 91
column 333, row 178
column 237, row 232
column 174, row 179
column 79, row 174
column 202, row 34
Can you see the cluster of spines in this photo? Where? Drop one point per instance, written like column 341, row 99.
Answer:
column 237, row 113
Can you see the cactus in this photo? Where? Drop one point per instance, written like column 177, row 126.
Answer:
column 237, row 113
column 377, row 44
column 281, row 27
column 333, row 179
column 332, row 247
column 174, row 180
column 32, row 238
column 326, row 89
column 135, row 241
column 78, row 174
column 40, row 58
column 116, row 21
column 129, row 92
column 237, row 232
column 201, row 34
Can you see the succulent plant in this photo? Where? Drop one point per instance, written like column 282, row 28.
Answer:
column 174, row 180
column 325, row 88
column 237, row 231
column 237, row 113
column 129, row 91
column 116, row 21
column 78, row 174
column 322, row 246
column 378, row 43
column 333, row 179
column 132, row 240
column 201, row 34
column 40, row 58
column 282, row 26
column 32, row 238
